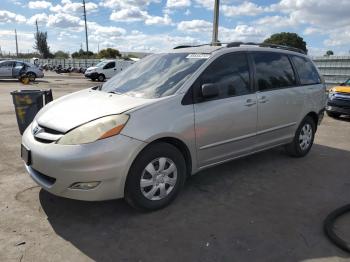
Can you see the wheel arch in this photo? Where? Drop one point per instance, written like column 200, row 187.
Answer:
column 314, row 116
column 181, row 146
column 31, row 72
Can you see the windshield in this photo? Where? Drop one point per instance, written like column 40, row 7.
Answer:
column 156, row 75
column 101, row 64
column 347, row 83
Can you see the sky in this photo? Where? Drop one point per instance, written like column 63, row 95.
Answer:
column 156, row 25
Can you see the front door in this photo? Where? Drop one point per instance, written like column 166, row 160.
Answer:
column 110, row 69
column 225, row 125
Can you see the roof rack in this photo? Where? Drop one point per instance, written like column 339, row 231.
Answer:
column 284, row 47
column 188, row 46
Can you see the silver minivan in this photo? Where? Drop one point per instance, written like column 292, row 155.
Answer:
column 171, row 115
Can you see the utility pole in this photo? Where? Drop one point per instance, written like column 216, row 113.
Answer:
column 215, row 40
column 16, row 42
column 37, row 27
column 86, row 33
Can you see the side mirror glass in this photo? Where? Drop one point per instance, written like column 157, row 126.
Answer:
column 210, row 90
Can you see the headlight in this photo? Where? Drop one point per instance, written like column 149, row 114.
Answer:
column 331, row 94
column 95, row 130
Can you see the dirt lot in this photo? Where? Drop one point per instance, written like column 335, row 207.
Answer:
column 266, row 207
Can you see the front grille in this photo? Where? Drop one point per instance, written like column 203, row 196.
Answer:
column 47, row 135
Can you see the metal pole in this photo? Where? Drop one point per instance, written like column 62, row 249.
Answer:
column 16, row 43
column 215, row 40
column 86, row 33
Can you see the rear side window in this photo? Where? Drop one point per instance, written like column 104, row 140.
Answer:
column 231, row 73
column 6, row 64
column 273, row 71
column 307, row 72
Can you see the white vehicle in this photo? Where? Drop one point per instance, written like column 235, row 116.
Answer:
column 105, row 69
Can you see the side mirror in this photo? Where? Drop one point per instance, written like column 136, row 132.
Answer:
column 210, row 90
column 342, row 84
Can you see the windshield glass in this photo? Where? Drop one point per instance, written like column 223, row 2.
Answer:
column 101, row 64
column 347, row 83
column 156, row 75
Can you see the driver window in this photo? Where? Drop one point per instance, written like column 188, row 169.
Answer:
column 230, row 73
column 109, row 65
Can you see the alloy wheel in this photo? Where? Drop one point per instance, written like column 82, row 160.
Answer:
column 305, row 137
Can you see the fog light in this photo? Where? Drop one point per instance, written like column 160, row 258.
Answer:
column 84, row 185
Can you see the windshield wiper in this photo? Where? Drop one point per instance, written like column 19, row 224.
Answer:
column 115, row 92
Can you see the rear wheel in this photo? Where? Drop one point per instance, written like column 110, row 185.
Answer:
column 303, row 139
column 101, row 78
column 333, row 114
column 156, row 177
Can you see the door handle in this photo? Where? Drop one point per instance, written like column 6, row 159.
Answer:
column 263, row 100
column 250, row 102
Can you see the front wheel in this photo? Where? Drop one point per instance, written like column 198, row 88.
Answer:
column 101, row 78
column 31, row 76
column 156, row 177
column 303, row 139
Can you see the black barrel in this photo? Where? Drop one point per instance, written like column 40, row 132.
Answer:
column 27, row 105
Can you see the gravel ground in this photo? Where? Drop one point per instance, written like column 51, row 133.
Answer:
column 265, row 207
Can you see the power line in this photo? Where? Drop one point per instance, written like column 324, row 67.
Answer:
column 86, row 33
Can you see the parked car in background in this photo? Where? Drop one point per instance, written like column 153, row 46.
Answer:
column 171, row 115
column 15, row 69
column 339, row 100
column 103, row 70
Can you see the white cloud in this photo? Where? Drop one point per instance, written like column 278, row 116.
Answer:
column 63, row 21
column 244, row 9
column 41, row 18
column 9, row 17
column 134, row 14
column 158, row 20
column 178, row 3
column 70, row 7
column 39, row 4
column 129, row 15
column 195, row 26
column 238, row 33
column 120, row 4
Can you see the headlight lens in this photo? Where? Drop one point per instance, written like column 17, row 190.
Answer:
column 95, row 130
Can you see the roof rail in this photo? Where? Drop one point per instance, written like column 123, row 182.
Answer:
column 284, row 47
column 187, row 46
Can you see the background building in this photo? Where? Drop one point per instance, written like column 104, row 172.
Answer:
column 335, row 69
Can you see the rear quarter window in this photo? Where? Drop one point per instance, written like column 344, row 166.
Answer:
column 307, row 72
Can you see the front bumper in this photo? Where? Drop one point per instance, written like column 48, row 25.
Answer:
column 341, row 106
column 56, row 167
column 91, row 75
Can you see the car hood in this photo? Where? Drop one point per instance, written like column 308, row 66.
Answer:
column 340, row 89
column 91, row 68
column 81, row 107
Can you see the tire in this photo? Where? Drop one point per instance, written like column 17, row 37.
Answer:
column 156, row 180
column 32, row 76
column 101, row 78
column 333, row 114
column 303, row 139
